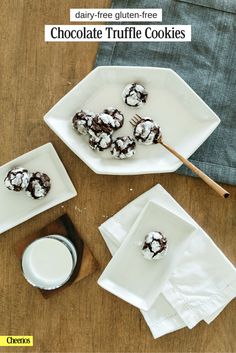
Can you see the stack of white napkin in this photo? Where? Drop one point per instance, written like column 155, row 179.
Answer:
column 203, row 283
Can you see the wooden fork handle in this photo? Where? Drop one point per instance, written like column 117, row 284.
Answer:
column 221, row 191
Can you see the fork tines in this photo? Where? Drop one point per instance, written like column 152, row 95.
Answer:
column 135, row 120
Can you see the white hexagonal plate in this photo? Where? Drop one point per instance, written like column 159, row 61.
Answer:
column 186, row 121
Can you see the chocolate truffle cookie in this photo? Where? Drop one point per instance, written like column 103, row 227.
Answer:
column 100, row 132
column 100, row 140
column 117, row 116
column 39, row 185
column 147, row 131
column 102, row 123
column 155, row 246
column 82, row 121
column 123, row 147
column 134, row 95
column 17, row 179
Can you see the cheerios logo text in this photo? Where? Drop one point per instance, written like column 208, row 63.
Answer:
column 12, row 341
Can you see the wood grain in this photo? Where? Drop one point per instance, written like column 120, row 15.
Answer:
column 84, row 318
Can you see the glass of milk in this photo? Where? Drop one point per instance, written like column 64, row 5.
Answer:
column 49, row 262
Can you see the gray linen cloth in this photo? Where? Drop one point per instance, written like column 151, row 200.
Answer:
column 207, row 64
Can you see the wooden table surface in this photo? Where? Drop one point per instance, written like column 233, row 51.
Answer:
column 84, row 318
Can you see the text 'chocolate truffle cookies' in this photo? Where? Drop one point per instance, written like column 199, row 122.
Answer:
column 147, row 132
column 17, row 179
column 123, row 147
column 39, row 185
column 82, row 121
column 155, row 246
column 134, row 95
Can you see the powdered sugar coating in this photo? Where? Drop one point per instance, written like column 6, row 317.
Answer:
column 39, row 185
column 100, row 141
column 100, row 132
column 17, row 179
column 102, row 123
column 134, row 95
column 155, row 246
column 117, row 116
column 82, row 121
column 123, row 147
column 106, row 119
column 147, row 131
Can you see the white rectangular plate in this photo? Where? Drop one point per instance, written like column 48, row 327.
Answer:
column 186, row 121
column 17, row 207
column 132, row 277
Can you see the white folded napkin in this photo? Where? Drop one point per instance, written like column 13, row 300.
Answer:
column 203, row 283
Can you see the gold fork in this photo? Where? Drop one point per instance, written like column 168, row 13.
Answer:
column 221, row 191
